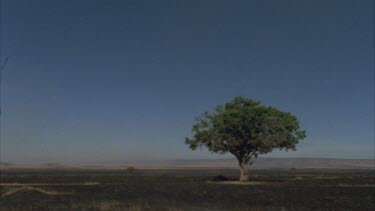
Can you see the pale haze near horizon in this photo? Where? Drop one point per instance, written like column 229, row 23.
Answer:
column 91, row 81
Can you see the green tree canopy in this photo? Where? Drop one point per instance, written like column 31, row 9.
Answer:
column 245, row 128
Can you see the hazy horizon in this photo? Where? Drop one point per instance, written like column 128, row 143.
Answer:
column 229, row 162
column 127, row 161
column 112, row 80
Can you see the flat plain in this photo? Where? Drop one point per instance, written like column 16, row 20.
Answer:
column 278, row 189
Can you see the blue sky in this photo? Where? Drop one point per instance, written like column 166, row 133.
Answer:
column 103, row 80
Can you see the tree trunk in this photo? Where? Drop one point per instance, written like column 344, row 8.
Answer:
column 243, row 173
column 243, row 164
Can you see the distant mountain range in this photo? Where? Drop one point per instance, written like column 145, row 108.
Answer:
column 260, row 163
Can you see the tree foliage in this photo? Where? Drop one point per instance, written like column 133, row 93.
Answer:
column 245, row 128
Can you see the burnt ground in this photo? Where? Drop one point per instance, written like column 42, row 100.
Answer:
column 187, row 190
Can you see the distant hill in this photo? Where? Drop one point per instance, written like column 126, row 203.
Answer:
column 260, row 163
column 5, row 164
column 267, row 163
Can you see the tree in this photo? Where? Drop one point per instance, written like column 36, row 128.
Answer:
column 245, row 128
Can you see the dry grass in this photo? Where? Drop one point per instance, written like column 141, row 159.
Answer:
column 356, row 185
column 247, row 183
column 186, row 190
column 48, row 184
column 33, row 189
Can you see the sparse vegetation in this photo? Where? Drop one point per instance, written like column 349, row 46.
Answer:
column 187, row 190
column 130, row 169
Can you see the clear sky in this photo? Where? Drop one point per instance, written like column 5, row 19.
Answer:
column 122, row 80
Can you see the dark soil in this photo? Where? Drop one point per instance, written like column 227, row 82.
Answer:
column 187, row 190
